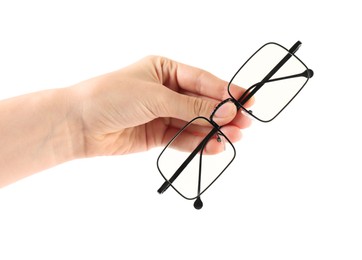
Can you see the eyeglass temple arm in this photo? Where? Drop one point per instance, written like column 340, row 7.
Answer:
column 242, row 100
column 308, row 73
column 202, row 144
column 198, row 204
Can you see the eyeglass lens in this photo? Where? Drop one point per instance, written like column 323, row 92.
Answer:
column 205, row 167
column 279, row 90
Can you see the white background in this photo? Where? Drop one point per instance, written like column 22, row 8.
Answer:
column 295, row 188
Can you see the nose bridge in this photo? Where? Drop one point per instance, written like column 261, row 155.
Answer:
column 232, row 100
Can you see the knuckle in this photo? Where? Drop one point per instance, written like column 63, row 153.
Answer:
column 200, row 107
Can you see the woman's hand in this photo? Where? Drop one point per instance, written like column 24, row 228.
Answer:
column 126, row 111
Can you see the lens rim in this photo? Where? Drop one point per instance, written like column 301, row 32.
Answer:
column 237, row 72
column 170, row 142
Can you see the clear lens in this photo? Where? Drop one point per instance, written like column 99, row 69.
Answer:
column 191, row 172
column 271, row 98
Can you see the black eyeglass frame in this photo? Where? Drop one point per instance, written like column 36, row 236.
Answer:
column 216, row 130
column 249, row 93
column 308, row 73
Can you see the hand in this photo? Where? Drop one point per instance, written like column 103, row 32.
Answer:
column 144, row 105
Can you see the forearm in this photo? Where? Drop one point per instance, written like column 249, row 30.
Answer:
column 38, row 131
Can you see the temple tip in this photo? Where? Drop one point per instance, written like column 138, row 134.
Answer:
column 198, row 203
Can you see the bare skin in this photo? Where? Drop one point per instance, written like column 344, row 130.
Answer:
column 130, row 110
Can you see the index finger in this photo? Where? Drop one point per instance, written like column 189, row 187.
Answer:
column 178, row 75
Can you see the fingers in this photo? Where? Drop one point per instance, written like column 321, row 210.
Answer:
column 188, row 140
column 184, row 107
column 241, row 120
column 237, row 92
column 191, row 93
column 195, row 82
column 177, row 75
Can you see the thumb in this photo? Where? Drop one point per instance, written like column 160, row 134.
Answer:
column 188, row 107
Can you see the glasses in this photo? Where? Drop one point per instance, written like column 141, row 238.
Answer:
column 273, row 76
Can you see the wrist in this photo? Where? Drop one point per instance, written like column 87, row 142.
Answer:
column 40, row 130
column 73, row 139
